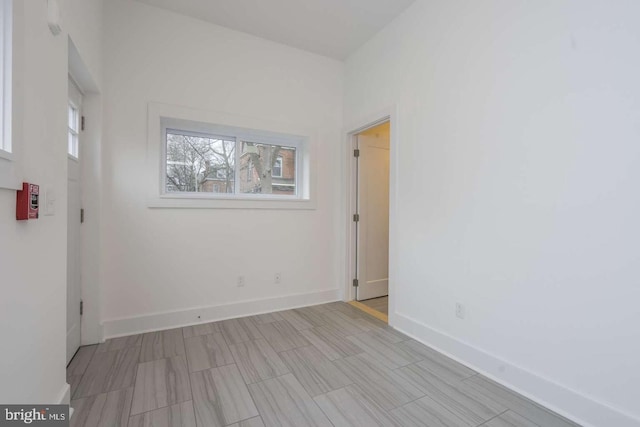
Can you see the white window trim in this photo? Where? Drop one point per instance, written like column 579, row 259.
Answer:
column 163, row 116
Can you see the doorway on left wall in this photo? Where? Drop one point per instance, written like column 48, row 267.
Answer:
column 74, row 219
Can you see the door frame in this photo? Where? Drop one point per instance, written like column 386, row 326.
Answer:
column 389, row 114
column 76, row 101
column 90, row 176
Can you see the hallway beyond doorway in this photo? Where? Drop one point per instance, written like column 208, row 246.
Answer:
column 378, row 304
column 376, row 307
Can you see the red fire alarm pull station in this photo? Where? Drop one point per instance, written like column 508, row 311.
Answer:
column 27, row 202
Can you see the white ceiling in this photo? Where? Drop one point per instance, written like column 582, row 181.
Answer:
column 333, row 28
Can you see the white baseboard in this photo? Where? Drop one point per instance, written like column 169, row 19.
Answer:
column 172, row 319
column 92, row 332
column 571, row 404
column 64, row 397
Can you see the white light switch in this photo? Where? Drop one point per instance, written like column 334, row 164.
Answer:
column 49, row 205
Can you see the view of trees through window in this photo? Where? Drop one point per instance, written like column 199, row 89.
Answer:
column 197, row 163
column 270, row 169
column 194, row 161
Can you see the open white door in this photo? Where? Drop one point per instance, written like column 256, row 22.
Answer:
column 74, row 295
column 373, row 210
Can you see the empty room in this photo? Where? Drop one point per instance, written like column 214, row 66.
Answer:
column 260, row 213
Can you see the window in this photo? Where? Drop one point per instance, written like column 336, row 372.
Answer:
column 5, row 78
column 199, row 163
column 9, row 150
column 74, row 119
column 266, row 160
column 73, row 130
column 203, row 160
column 233, row 153
column 277, row 168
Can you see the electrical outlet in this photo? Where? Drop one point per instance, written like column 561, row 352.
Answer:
column 460, row 311
column 240, row 281
column 277, row 278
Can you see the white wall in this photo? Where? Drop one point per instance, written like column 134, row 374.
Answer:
column 517, row 191
column 82, row 20
column 33, row 253
column 172, row 260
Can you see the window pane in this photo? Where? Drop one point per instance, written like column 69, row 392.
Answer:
column 200, row 164
column 73, row 131
column 73, row 144
column 269, row 169
column 73, row 118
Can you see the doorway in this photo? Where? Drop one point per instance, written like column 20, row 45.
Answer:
column 371, row 220
column 74, row 219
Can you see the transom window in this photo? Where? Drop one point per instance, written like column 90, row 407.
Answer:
column 206, row 160
column 74, row 119
column 74, row 130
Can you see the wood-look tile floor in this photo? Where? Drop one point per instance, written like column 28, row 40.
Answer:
column 326, row 365
column 378, row 304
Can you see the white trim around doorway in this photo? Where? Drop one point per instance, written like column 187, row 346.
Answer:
column 389, row 114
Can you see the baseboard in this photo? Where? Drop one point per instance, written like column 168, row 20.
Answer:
column 92, row 333
column 571, row 404
column 64, row 397
column 192, row 316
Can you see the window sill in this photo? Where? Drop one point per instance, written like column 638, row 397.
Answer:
column 5, row 155
column 230, row 203
column 7, row 174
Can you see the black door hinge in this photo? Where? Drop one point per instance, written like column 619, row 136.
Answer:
column 82, row 123
column 356, row 217
column 81, row 216
column 355, row 282
column 81, row 307
column 356, row 153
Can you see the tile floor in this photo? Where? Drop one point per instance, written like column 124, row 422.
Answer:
column 326, row 365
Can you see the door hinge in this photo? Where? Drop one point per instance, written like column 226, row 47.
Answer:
column 355, row 282
column 356, row 217
column 356, row 153
column 82, row 123
column 81, row 216
column 81, row 307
